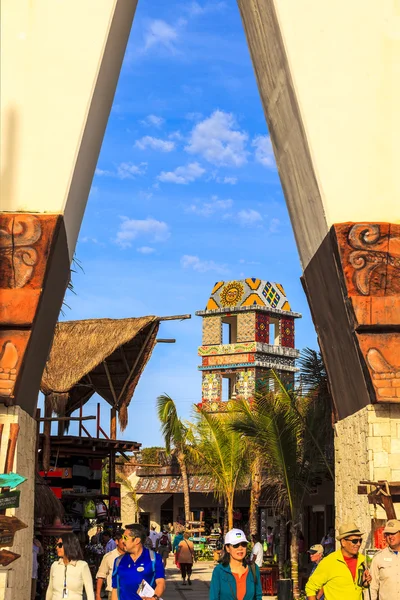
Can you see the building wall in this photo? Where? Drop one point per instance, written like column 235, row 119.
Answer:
column 15, row 581
column 246, row 326
column 212, row 330
column 367, row 447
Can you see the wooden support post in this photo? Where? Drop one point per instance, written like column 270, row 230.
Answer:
column 47, row 434
column 111, row 468
column 113, row 423
column 37, row 440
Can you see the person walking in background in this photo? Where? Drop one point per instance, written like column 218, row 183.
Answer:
column 70, row 575
column 164, row 545
column 257, row 552
column 177, row 540
column 37, row 550
column 385, row 566
column 108, row 542
column 137, row 564
column 185, row 557
column 328, row 541
column 233, row 577
column 342, row 574
column 154, row 536
column 316, row 553
column 270, row 541
column 107, row 566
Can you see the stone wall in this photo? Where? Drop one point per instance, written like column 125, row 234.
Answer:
column 367, row 447
column 15, row 581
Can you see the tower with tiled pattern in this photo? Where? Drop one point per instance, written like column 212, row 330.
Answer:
column 259, row 325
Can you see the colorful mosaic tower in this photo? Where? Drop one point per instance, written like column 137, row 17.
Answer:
column 248, row 329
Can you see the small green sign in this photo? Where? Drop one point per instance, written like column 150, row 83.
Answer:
column 9, row 499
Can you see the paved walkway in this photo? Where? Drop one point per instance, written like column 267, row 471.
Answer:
column 200, row 588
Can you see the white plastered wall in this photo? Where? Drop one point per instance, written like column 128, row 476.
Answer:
column 344, row 59
column 60, row 62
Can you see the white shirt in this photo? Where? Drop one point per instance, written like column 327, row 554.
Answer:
column 154, row 536
column 107, row 566
column 385, row 572
column 258, row 552
column 77, row 576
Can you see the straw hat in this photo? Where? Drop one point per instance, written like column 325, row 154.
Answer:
column 348, row 529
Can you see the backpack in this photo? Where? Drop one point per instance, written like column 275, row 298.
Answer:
column 153, row 566
column 164, row 541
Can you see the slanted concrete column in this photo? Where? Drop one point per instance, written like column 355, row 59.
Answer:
column 13, row 580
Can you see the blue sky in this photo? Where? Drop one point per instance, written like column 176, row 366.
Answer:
column 186, row 193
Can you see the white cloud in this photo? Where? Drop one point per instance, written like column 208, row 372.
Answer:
column 103, row 173
column 145, row 250
column 124, row 171
column 176, row 135
column 182, row 175
column 248, row 217
column 129, row 171
column 274, row 226
column 207, row 209
column 264, row 153
column 219, row 141
column 193, row 116
column 195, row 9
column 153, row 120
column 159, row 33
column 201, row 266
column 155, row 144
column 227, row 180
column 130, row 229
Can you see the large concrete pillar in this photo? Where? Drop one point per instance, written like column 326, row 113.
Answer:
column 60, row 63
column 328, row 76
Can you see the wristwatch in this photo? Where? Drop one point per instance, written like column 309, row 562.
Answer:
column 156, row 597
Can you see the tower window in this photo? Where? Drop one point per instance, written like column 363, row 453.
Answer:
column 274, row 338
column 229, row 330
column 228, row 386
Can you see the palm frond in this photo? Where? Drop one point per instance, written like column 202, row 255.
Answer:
column 172, row 428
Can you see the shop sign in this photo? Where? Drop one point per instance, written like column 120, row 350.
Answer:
column 11, row 480
column 6, row 538
column 9, row 500
column 11, row 524
column 7, row 557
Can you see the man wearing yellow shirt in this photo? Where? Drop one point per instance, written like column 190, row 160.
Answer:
column 342, row 573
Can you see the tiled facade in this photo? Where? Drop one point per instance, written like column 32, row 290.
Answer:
column 246, row 326
column 212, row 330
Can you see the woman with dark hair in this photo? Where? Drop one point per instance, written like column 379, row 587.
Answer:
column 70, row 574
column 233, row 577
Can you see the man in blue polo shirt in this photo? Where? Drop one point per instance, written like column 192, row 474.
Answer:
column 137, row 564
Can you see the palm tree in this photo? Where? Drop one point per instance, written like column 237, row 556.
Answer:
column 221, row 453
column 175, row 436
column 256, row 470
column 276, row 423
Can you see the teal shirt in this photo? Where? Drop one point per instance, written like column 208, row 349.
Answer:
column 177, row 539
column 223, row 584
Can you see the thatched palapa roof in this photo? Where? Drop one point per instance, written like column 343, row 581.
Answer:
column 106, row 356
column 47, row 506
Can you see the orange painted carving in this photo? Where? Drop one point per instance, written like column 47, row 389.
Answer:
column 370, row 260
column 12, row 348
column 370, row 257
column 26, row 241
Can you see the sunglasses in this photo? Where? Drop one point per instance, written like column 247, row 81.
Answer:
column 60, row 545
column 355, row 541
column 239, row 545
column 126, row 537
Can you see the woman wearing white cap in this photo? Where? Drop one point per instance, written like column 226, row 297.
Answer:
column 233, row 578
